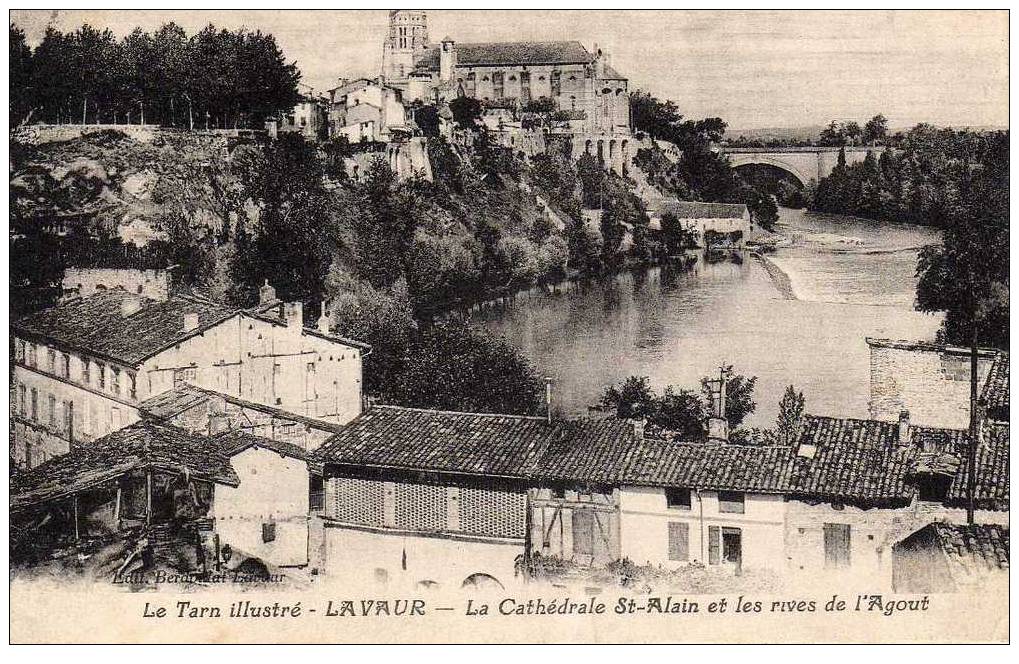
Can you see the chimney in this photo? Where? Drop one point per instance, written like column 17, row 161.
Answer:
column 323, row 319
column 718, row 430
column 190, row 322
column 266, row 294
column 293, row 315
column 130, row 304
column 638, row 427
column 905, row 435
column 447, row 60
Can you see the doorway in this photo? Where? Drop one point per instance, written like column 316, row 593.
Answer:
column 732, row 548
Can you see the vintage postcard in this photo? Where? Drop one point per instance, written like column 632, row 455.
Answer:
column 446, row 326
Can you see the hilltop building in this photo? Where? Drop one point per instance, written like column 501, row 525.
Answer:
column 580, row 82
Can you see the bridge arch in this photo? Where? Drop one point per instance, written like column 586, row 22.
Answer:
column 796, row 170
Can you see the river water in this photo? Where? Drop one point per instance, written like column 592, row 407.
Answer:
column 802, row 322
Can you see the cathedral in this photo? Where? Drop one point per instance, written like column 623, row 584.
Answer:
column 503, row 74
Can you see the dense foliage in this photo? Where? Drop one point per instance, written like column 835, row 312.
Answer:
column 214, row 78
column 682, row 413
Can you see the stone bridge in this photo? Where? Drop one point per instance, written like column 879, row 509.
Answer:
column 806, row 163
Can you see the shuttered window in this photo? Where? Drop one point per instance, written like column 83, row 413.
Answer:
column 714, row 544
column 679, row 541
column 836, row 545
column 731, row 502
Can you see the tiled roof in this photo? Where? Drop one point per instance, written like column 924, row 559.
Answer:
column 472, row 443
column 698, row 210
column 762, row 469
column 95, row 324
column 235, row 442
column 832, row 458
column 270, row 313
column 140, row 446
column 169, row 404
column 992, row 486
column 995, row 392
column 856, row 459
column 511, row 53
column 973, row 549
column 612, row 75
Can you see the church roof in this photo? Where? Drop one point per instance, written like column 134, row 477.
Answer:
column 512, row 53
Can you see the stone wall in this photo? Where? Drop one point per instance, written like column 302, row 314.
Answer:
column 82, row 282
column 872, row 534
column 44, row 133
column 930, row 381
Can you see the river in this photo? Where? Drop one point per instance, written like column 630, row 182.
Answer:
column 803, row 323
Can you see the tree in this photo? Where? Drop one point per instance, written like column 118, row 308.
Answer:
column 453, row 367
column 682, row 413
column 22, row 102
column 967, row 275
column 852, row 132
column 633, row 398
column 466, row 111
column 875, row 130
column 292, row 246
column 790, row 414
column 832, row 135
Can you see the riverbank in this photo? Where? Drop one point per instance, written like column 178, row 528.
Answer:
column 778, row 277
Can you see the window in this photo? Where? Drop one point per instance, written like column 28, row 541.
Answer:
column 51, row 360
column 731, row 502
column 65, row 366
column 679, row 541
column 85, row 378
column 19, row 352
column 115, row 380
column 30, row 350
column 51, row 409
column 556, row 83
column 22, row 399
column 678, row 498
column 133, row 385
column 101, row 372
column 836, row 545
column 35, row 404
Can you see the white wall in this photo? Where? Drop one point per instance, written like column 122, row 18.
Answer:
column 273, row 488
column 644, row 529
column 355, row 555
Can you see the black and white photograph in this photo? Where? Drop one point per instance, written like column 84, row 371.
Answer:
column 508, row 326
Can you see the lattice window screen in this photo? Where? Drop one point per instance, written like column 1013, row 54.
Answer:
column 492, row 512
column 357, row 501
column 420, row 507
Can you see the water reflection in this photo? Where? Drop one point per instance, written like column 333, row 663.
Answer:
column 678, row 326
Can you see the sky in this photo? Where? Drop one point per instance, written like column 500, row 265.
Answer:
column 754, row 69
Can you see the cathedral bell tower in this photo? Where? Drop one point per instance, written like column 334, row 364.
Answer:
column 406, row 41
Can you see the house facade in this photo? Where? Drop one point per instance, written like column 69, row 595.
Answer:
column 832, row 502
column 726, row 220
column 85, row 367
column 366, row 110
